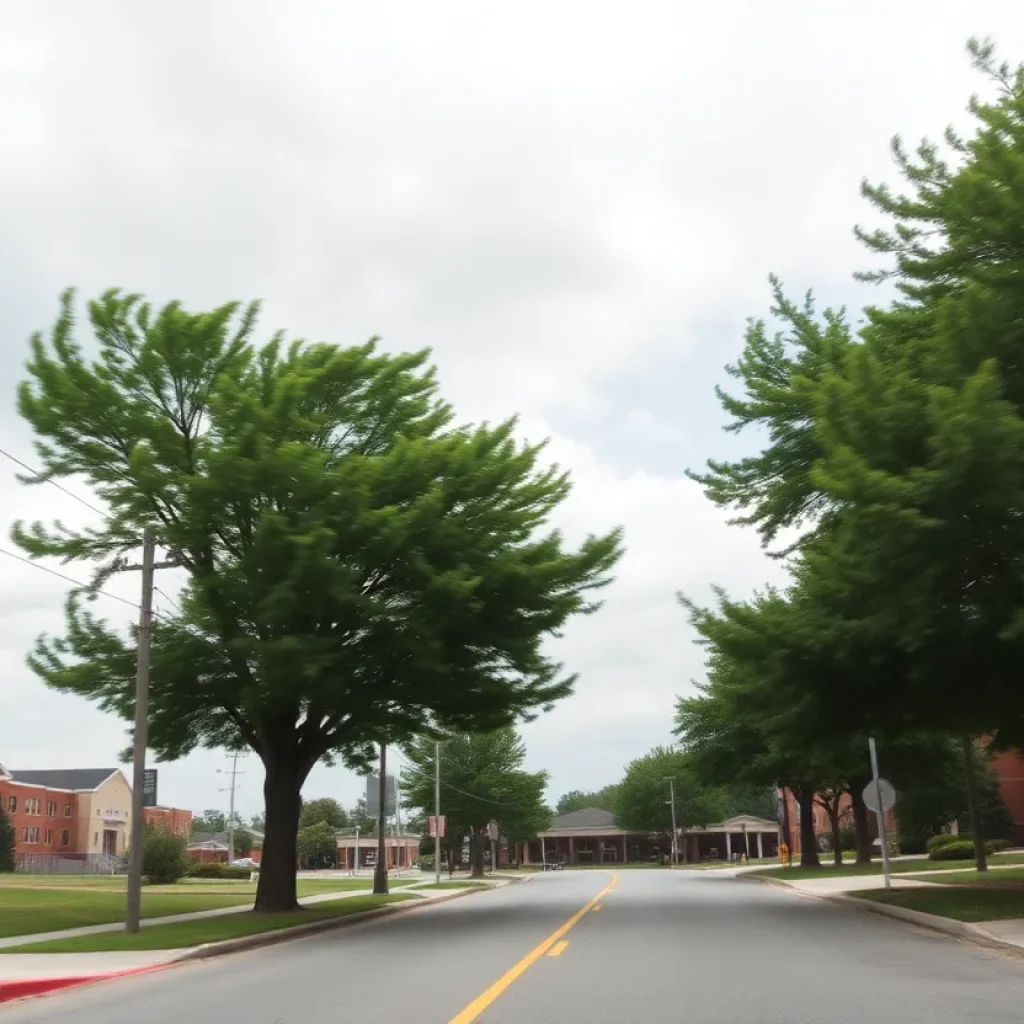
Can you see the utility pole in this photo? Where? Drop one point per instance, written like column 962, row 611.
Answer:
column 675, row 835
column 231, row 814
column 140, row 732
column 380, row 871
column 437, row 813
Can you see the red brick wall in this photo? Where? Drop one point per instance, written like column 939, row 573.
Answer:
column 33, row 807
column 174, row 819
column 1009, row 766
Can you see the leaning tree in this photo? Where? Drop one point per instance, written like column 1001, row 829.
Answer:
column 358, row 565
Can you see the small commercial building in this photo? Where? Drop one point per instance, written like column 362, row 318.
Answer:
column 402, row 851
column 590, row 836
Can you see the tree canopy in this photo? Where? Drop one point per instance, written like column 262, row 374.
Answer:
column 643, row 794
column 894, row 454
column 317, row 845
column 578, row 800
column 323, row 808
column 359, row 565
column 482, row 780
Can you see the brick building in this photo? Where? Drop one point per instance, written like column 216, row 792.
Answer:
column 174, row 819
column 67, row 817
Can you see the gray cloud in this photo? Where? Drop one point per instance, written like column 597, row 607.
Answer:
column 575, row 205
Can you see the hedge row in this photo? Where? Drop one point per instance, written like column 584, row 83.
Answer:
column 963, row 849
column 214, row 869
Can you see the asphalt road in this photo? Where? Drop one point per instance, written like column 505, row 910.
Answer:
column 659, row 946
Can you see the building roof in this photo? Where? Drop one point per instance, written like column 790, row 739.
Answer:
column 65, row 778
column 589, row 817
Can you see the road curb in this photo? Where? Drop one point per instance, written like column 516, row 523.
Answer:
column 944, row 925
column 31, row 987
column 246, row 942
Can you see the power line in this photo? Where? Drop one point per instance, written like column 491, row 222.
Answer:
column 68, row 579
column 444, row 782
column 170, row 600
column 50, row 480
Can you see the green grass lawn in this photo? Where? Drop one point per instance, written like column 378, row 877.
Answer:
column 958, row 902
column 213, row 929
column 224, row 886
column 1009, row 877
column 898, row 867
column 23, row 911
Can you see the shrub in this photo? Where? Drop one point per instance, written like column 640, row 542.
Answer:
column 163, row 856
column 944, row 839
column 848, row 839
column 214, row 869
column 996, row 845
column 961, row 850
column 913, row 844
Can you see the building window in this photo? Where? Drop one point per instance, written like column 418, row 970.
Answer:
column 24, row 835
column 67, row 810
column 33, row 806
column 51, row 809
column 12, row 805
column 95, row 839
column 65, row 838
column 48, row 838
column 30, row 835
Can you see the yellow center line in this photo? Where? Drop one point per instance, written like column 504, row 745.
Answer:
column 482, row 1001
column 558, row 948
column 597, row 908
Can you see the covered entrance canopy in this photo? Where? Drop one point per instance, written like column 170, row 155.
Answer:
column 743, row 834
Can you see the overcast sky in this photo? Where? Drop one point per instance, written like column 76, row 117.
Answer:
column 575, row 204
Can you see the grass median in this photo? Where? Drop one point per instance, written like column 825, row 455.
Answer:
column 961, row 903
column 188, row 934
column 27, row 908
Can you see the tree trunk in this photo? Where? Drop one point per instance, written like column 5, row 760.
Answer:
column 974, row 804
column 837, row 831
column 860, row 823
column 808, row 840
column 476, row 851
column 276, row 890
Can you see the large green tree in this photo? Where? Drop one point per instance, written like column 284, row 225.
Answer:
column 482, row 780
column 643, row 794
column 905, row 447
column 359, row 566
column 323, row 808
column 578, row 800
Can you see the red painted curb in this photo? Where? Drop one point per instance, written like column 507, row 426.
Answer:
column 28, row 988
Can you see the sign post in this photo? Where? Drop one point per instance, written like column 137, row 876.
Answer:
column 492, row 833
column 880, row 797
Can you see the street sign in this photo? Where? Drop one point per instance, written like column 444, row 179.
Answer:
column 374, row 796
column 149, row 787
column 433, row 826
column 888, row 795
column 492, row 831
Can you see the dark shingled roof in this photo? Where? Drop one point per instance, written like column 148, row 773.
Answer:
column 65, row 778
column 589, row 817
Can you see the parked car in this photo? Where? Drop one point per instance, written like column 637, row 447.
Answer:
column 244, row 862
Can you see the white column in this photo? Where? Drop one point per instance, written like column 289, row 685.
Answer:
column 728, row 846
column 760, row 847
